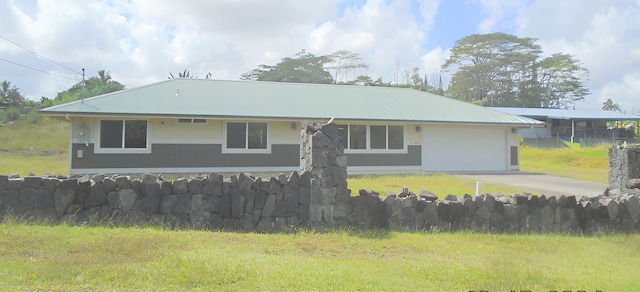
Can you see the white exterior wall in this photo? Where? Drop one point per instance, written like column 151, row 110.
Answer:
column 466, row 148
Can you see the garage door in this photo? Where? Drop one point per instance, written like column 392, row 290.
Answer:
column 464, row 149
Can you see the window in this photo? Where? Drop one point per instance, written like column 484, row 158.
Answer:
column 357, row 137
column 396, row 137
column 123, row 134
column 373, row 137
column 250, row 135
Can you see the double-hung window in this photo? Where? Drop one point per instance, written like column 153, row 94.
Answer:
column 123, row 134
column 374, row 137
column 247, row 136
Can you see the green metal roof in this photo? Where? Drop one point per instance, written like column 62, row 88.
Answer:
column 276, row 100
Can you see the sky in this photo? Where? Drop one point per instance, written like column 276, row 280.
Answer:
column 45, row 44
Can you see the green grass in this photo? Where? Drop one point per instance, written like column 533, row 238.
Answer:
column 98, row 258
column 94, row 258
column 24, row 164
column 588, row 164
column 48, row 134
column 39, row 148
column 439, row 184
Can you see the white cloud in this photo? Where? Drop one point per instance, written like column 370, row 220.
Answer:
column 141, row 41
column 603, row 35
column 499, row 14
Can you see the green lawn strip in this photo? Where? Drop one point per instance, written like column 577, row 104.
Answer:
column 24, row 164
column 440, row 184
column 72, row 258
column 589, row 163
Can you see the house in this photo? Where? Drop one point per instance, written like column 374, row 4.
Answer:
column 202, row 125
column 584, row 126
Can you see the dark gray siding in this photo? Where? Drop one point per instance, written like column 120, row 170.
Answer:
column 210, row 155
column 186, row 155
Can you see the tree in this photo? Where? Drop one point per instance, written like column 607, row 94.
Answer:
column 185, row 74
column 560, row 81
column 365, row 80
column 342, row 61
column 609, row 105
column 303, row 68
column 10, row 94
column 96, row 85
column 504, row 70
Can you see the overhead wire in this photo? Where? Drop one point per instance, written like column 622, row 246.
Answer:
column 25, row 66
column 43, row 57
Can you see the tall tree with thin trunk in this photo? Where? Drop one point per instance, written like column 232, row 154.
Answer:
column 505, row 70
column 343, row 61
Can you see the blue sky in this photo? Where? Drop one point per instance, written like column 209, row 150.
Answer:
column 453, row 21
column 141, row 41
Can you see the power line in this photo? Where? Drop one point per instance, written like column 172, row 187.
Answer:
column 54, row 74
column 30, row 51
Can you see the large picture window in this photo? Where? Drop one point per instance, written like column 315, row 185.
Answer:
column 373, row 137
column 251, row 135
column 123, row 134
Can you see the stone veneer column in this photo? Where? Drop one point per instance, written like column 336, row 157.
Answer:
column 322, row 155
column 624, row 167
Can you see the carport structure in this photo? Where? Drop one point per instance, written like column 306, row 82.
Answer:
column 576, row 125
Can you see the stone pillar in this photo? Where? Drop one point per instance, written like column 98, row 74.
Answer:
column 322, row 155
column 624, row 168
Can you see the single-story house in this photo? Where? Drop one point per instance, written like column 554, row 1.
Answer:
column 202, row 125
column 574, row 125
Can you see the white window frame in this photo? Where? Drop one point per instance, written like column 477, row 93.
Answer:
column 368, row 149
column 99, row 150
column 246, row 150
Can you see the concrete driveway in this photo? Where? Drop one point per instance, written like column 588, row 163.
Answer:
column 540, row 183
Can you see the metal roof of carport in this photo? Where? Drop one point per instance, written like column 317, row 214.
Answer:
column 276, row 100
column 564, row 114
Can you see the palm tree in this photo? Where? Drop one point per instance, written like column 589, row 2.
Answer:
column 104, row 77
column 185, row 74
column 10, row 94
column 610, row 106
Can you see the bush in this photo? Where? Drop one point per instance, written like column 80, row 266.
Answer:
column 11, row 114
column 33, row 117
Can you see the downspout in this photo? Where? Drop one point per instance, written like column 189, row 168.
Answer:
column 70, row 142
column 573, row 130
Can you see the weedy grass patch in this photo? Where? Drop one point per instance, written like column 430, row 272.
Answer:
column 36, row 257
column 24, row 164
column 588, row 163
column 440, row 184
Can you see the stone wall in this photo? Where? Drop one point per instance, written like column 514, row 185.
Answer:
column 624, row 169
column 317, row 197
column 243, row 202
column 322, row 156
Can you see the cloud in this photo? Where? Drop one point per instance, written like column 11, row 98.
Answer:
column 141, row 41
column 386, row 34
column 603, row 35
column 498, row 15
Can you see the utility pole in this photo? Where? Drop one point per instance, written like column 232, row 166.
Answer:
column 82, row 85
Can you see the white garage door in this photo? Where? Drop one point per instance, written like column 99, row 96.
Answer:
column 464, row 148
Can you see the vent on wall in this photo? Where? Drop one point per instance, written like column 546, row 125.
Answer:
column 514, row 156
column 192, row 121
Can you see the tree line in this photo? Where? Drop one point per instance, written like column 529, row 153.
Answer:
column 494, row 69
column 487, row 69
column 16, row 106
